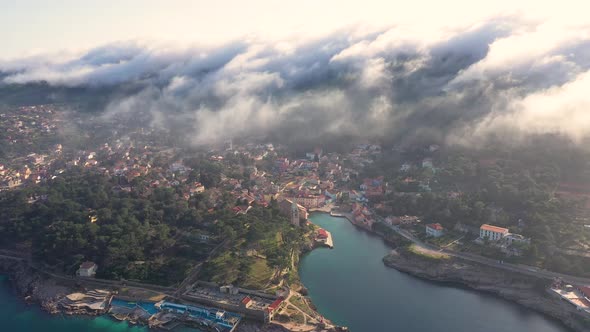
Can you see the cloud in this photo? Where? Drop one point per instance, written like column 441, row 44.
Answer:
column 561, row 109
column 507, row 74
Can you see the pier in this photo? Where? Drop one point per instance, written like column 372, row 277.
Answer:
column 329, row 242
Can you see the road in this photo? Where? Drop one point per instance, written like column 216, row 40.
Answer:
column 519, row 268
column 306, row 316
column 113, row 283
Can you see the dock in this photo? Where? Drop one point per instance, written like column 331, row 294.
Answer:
column 329, row 242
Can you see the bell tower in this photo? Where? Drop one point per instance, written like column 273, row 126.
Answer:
column 294, row 214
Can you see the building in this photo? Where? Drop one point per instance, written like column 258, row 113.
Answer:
column 492, row 233
column 322, row 234
column 311, row 201
column 294, row 214
column 246, row 302
column 273, row 308
column 286, row 209
column 434, row 230
column 87, row 269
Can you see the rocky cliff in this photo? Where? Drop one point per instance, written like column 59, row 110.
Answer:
column 32, row 286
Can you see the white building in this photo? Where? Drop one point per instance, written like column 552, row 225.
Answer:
column 492, row 233
column 435, row 230
column 87, row 269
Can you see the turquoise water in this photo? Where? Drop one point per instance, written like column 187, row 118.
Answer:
column 147, row 306
column 350, row 286
column 16, row 316
column 203, row 313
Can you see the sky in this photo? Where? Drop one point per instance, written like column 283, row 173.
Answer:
column 37, row 26
column 455, row 71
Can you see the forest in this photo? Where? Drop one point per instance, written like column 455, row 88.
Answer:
column 155, row 238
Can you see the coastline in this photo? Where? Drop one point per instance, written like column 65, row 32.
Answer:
column 524, row 290
column 46, row 292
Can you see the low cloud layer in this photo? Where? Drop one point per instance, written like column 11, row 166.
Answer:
column 506, row 75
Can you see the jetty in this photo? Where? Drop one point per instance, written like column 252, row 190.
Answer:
column 329, row 242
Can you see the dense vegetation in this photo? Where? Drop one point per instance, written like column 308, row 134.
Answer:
column 515, row 187
column 262, row 243
column 153, row 238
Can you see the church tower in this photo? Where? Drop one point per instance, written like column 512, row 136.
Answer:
column 294, row 213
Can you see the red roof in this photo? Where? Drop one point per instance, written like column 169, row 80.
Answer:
column 495, row 229
column 322, row 233
column 246, row 300
column 436, row 226
column 273, row 306
column 585, row 290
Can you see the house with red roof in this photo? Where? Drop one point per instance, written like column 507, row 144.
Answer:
column 275, row 305
column 435, row 230
column 246, row 302
column 322, row 234
column 492, row 233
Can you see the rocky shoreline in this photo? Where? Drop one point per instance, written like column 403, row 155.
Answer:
column 37, row 289
column 524, row 290
column 47, row 292
column 527, row 291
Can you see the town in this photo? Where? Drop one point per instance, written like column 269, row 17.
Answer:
column 419, row 195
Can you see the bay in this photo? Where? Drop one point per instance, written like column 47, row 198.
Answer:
column 351, row 286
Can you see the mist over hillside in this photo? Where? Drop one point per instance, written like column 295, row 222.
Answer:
column 460, row 86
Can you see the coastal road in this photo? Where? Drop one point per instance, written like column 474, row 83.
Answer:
column 91, row 281
column 191, row 278
column 519, row 268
